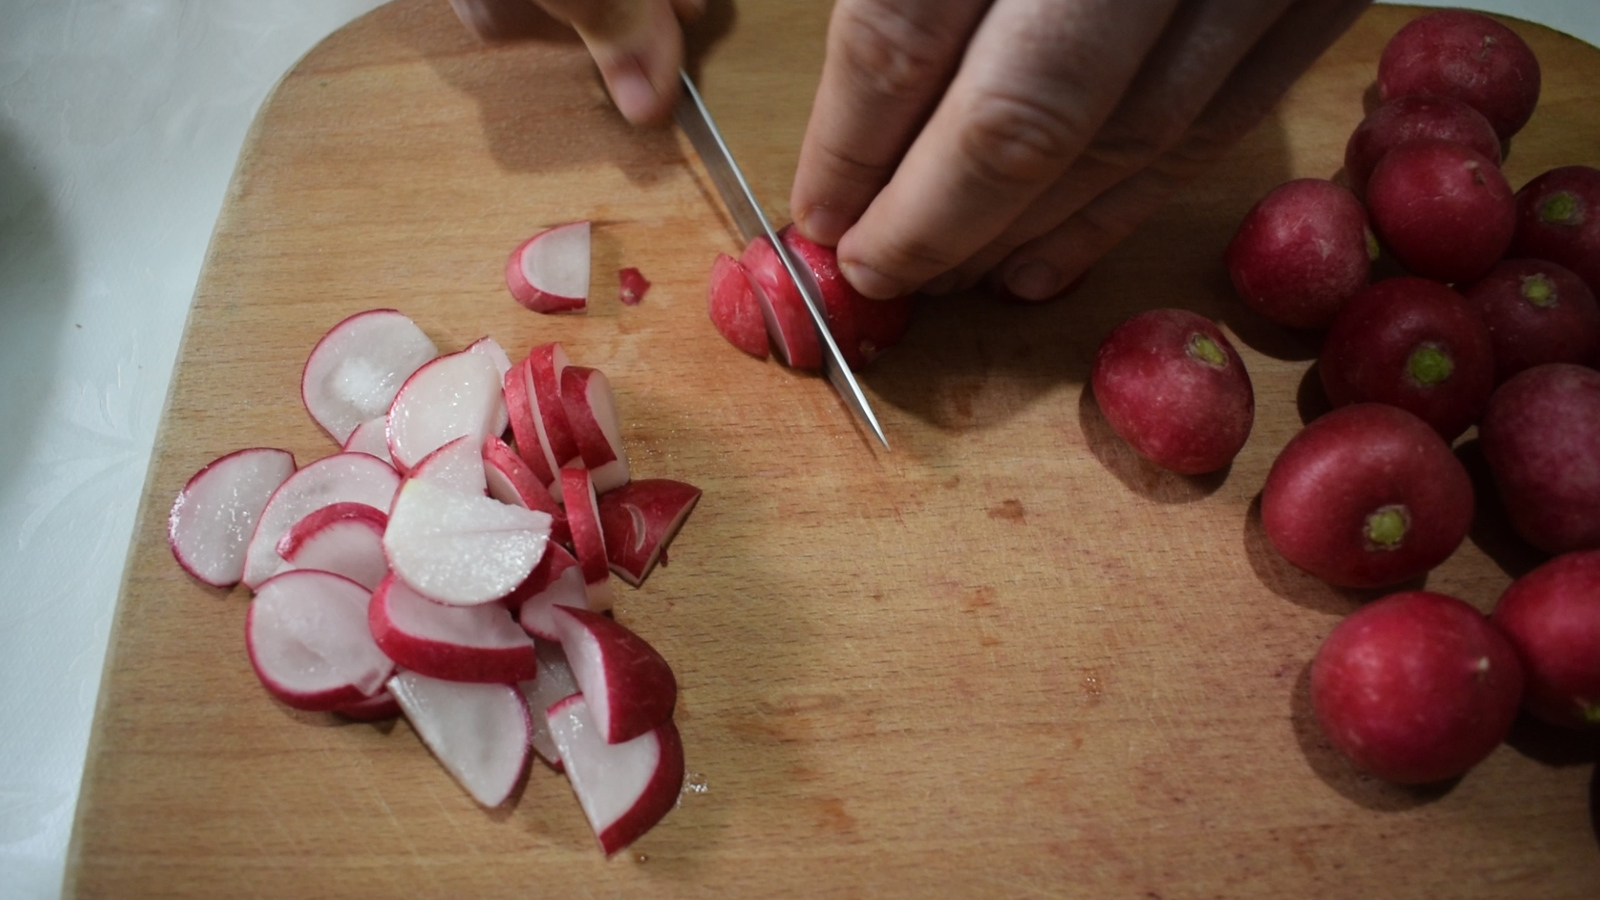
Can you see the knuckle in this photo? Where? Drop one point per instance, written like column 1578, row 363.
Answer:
column 1016, row 139
column 886, row 51
column 1125, row 147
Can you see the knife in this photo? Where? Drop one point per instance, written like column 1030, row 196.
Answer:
column 695, row 120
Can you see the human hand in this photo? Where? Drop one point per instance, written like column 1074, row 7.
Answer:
column 1023, row 139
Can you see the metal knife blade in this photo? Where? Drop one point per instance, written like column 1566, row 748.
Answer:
column 696, row 122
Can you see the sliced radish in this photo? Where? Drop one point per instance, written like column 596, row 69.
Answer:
column 592, row 412
column 341, row 478
column 478, row 732
column 345, row 539
column 371, row 437
column 215, row 514
column 518, row 390
column 624, row 789
column 377, row 708
column 630, row 688
column 561, row 585
column 553, row 683
column 511, row 481
column 307, row 635
column 353, row 373
column 454, row 395
column 461, row 549
column 546, row 362
column 862, row 328
column 789, row 324
column 549, row 273
column 639, row 520
column 633, row 286
column 457, row 465
column 588, row 541
column 731, row 302
column 458, row 643
column 491, row 348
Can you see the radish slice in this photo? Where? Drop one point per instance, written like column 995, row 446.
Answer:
column 630, row 688
column 553, row 683
column 592, row 412
column 541, row 447
column 511, row 481
column 308, row 640
column 624, row 789
column 639, row 520
column 345, row 539
column 588, row 541
column 457, row 465
column 546, row 362
column 789, row 324
column 478, row 732
column 215, row 514
column 562, row 585
column 377, row 708
column 341, row 478
column 461, row 549
column 372, row 438
column 457, row 643
column 353, row 373
column 518, row 392
column 549, row 273
column 454, row 395
column 633, row 286
column 731, row 303
column 491, row 348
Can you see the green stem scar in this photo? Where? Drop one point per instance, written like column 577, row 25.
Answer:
column 1373, row 250
column 1429, row 365
column 1539, row 290
column 1387, row 527
column 1561, row 208
column 1205, row 350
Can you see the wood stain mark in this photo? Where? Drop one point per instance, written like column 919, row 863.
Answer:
column 1009, row 510
column 981, row 598
column 831, row 816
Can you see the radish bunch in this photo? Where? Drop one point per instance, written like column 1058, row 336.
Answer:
column 431, row 568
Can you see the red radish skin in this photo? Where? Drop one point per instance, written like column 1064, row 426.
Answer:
column 1301, row 252
column 624, row 789
column 457, row 643
column 1541, row 437
column 306, row 633
column 214, row 516
column 1558, row 219
column 633, row 286
column 592, row 411
column 732, row 307
column 518, row 389
column 639, row 521
column 1537, row 312
column 546, row 363
column 345, row 539
column 1366, row 496
column 1173, row 387
column 588, row 540
column 509, row 480
column 1413, row 118
column 1468, row 56
column 789, row 324
column 549, row 272
column 478, row 732
column 1443, row 209
column 341, row 478
column 629, row 687
column 1552, row 617
column 353, row 373
column 862, row 328
column 1416, row 688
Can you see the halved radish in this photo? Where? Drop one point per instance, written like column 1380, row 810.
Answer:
column 560, row 584
column 639, row 520
column 491, row 348
column 624, row 789
column 592, row 412
column 377, row 708
column 307, row 635
column 371, row 437
column 457, row 465
column 549, row 272
column 461, row 549
column 517, row 387
column 340, row 478
column 553, row 683
column 458, row 643
column 353, row 373
column 734, row 310
column 546, row 362
column 511, row 481
column 633, row 286
column 789, row 324
column 345, row 539
column 630, row 688
column 478, row 732
column 454, row 395
column 215, row 514
column 588, row 541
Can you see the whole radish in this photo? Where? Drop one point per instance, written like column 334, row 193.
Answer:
column 1468, row 56
column 1541, row 437
column 1537, row 312
column 1442, row 208
column 1552, row 616
column 1414, row 118
column 1558, row 219
column 1301, row 252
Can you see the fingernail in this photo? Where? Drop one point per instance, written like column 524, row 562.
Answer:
column 634, row 96
column 870, row 281
column 824, row 225
column 942, row 285
column 1034, row 281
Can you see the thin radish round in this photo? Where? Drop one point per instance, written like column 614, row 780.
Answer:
column 546, row 363
column 215, row 514
column 511, row 481
column 457, row 643
column 561, row 585
column 491, row 348
column 553, row 683
column 478, row 732
column 639, row 520
column 353, row 373
column 588, row 541
column 630, row 688
column 549, row 272
column 592, row 411
column 457, row 465
column 341, row 478
column 372, row 438
column 307, row 635
column 460, row 549
column 624, row 789
column 517, row 387
column 454, row 395
column 345, row 539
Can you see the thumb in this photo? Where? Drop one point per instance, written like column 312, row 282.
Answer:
column 638, row 46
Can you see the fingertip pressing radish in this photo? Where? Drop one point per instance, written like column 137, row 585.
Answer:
column 549, row 272
column 341, row 478
column 478, row 732
column 861, row 328
column 624, row 789
column 457, row 643
column 306, row 632
column 633, row 286
column 215, row 514
column 454, row 395
column 461, row 549
column 588, row 540
column 592, row 412
column 639, row 520
column 630, row 689
column 355, row 370
column 733, row 309
column 344, row 538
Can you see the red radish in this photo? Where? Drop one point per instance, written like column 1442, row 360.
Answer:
column 559, row 584
column 553, row 683
column 1442, row 208
column 511, row 481
column 592, row 411
column 341, row 478
column 629, row 687
column 1541, row 437
column 519, row 409
column 454, row 395
column 1412, row 118
column 639, row 520
column 345, row 539
column 549, row 272
column 1558, row 219
column 457, row 465
column 1366, row 496
column 1172, row 386
column 731, row 303
column 461, row 549
column 353, row 373
column 1552, row 616
column 1537, row 312
column 457, row 643
column 307, row 635
column 478, row 732
column 1468, row 56
column 377, row 708
column 862, row 328
column 215, row 514
column 491, row 348
column 588, row 541
column 1301, row 252
column 633, row 286
column 624, row 789
column 546, row 363
column 1416, row 688
column 789, row 324
column 372, row 438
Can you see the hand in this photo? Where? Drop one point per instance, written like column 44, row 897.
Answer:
column 1025, row 138
column 637, row 44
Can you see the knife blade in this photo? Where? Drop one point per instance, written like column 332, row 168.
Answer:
column 697, row 124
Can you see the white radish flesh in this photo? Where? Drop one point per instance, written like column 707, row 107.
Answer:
column 511, row 481
column 458, row 643
column 460, row 549
column 341, row 478
column 307, row 635
column 454, row 395
column 491, row 348
column 214, row 516
column 630, row 688
column 478, row 732
column 345, row 539
column 592, row 411
column 624, row 789
column 546, row 363
column 353, row 373
column 563, row 586
column 549, row 272
column 371, row 437
column 457, row 465
column 554, row 682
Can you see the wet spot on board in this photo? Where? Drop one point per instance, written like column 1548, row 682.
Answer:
column 1009, row 510
column 1092, row 687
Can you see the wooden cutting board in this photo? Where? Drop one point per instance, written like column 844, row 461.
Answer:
column 1005, row 659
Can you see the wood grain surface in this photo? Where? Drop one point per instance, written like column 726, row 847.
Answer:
column 1006, row 658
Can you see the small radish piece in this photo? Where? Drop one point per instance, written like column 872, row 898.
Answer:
column 372, row 438
column 341, row 478
column 1466, row 55
column 1411, row 118
column 1552, row 616
column 215, row 514
column 592, row 411
column 1443, row 209
column 629, row 687
column 478, row 732
column 546, row 363
column 1538, row 312
column 511, row 481
column 345, row 539
column 553, row 683
column 454, row 395
column 588, row 540
column 639, row 520
column 789, row 323
column 380, row 707
column 633, row 286
column 624, row 789
column 559, row 584
column 307, row 635
column 456, row 643
column 1558, row 219
column 491, row 348
column 732, row 306
column 549, row 273
column 1301, row 252
column 457, row 465
column 461, row 549
column 355, row 370
column 518, row 390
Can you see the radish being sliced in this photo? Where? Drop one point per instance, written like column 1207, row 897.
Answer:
column 340, row 478
column 588, row 541
column 307, row 635
column 454, row 395
column 624, row 789
column 592, row 412
column 789, row 324
column 461, row 549
column 215, row 514
column 553, row 683
column 491, row 348
column 540, row 448
column 546, row 362
column 353, row 373
column 549, row 273
column 862, row 328
column 630, row 688
column 457, row 465
column 731, row 303
column 639, row 520
column 457, row 643
column 633, row 286
column 377, row 708
column 560, row 583
column 371, row 437
column 345, row 539
column 518, row 389
column 478, row 732
column 511, row 481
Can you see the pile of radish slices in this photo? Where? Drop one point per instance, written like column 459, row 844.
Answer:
column 434, row 569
